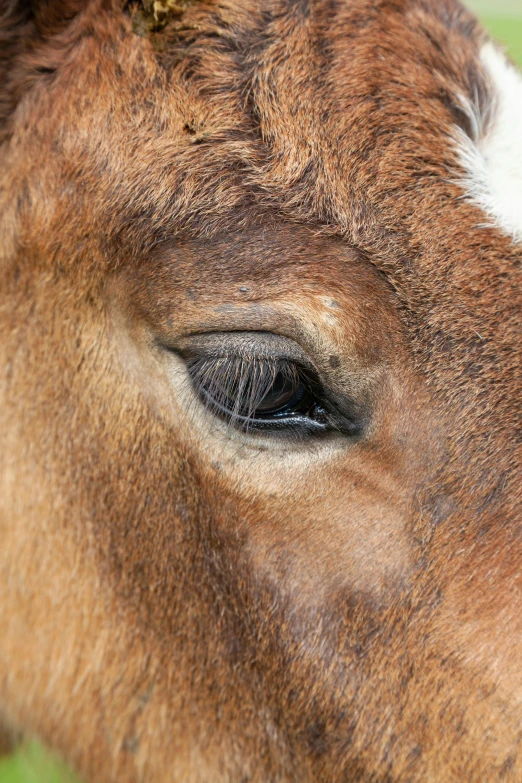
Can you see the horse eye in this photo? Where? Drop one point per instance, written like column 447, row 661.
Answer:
column 284, row 395
column 255, row 393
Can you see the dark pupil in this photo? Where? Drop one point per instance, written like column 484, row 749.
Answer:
column 280, row 395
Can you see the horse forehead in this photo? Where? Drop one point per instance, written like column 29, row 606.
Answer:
column 271, row 97
column 307, row 110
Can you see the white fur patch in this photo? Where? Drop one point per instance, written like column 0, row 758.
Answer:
column 493, row 160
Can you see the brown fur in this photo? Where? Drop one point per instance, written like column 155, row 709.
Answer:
column 183, row 604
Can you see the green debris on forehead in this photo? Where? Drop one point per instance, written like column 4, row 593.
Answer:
column 151, row 16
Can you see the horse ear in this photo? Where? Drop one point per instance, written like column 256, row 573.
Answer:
column 26, row 26
column 492, row 156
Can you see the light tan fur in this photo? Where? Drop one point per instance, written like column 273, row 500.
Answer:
column 181, row 601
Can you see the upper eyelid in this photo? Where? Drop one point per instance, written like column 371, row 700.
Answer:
column 262, row 345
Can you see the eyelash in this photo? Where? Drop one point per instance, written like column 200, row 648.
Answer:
column 235, row 388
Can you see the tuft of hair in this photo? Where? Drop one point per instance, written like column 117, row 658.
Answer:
column 492, row 155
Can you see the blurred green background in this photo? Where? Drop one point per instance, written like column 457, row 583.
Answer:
column 32, row 764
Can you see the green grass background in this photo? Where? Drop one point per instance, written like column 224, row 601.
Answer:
column 31, row 763
column 508, row 32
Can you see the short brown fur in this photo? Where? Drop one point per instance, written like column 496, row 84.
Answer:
column 184, row 603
